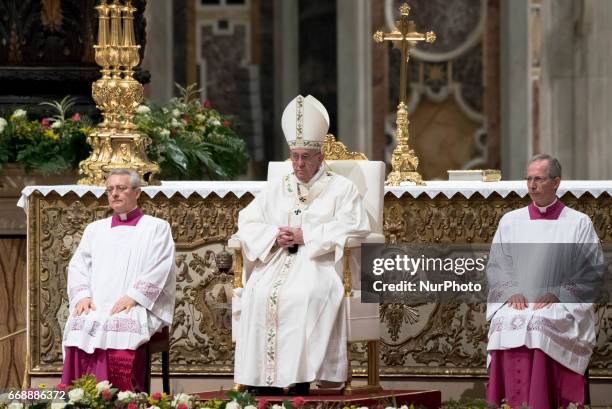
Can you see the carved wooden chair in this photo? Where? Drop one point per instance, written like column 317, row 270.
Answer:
column 159, row 342
column 362, row 319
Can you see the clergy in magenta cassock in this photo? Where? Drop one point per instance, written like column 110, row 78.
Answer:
column 291, row 328
column 121, row 289
column 544, row 266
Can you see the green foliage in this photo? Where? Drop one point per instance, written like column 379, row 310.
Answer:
column 53, row 145
column 191, row 141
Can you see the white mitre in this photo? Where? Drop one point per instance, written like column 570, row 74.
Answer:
column 305, row 123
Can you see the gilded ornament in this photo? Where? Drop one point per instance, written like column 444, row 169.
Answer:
column 115, row 142
column 404, row 161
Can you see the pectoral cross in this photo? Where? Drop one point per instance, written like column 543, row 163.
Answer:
column 403, row 160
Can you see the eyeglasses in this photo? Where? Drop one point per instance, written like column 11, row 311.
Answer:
column 295, row 157
column 119, row 188
column 536, row 179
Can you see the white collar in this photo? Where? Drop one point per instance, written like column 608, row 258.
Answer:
column 545, row 208
column 123, row 216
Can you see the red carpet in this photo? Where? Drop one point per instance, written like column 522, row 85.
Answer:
column 430, row 399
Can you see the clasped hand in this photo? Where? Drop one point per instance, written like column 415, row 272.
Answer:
column 288, row 236
column 519, row 302
column 124, row 303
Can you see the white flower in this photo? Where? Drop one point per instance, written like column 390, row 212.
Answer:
column 56, row 124
column 58, row 405
column 182, row 398
column 126, row 395
column 200, row 117
column 76, row 395
column 103, row 386
column 403, row 407
column 215, row 122
column 363, row 407
column 143, row 109
column 164, row 132
column 176, row 113
column 233, row 405
column 153, row 407
column 3, row 124
column 276, row 406
column 174, row 123
column 19, row 113
column 15, row 405
column 250, row 407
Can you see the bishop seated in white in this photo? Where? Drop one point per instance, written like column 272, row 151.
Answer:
column 292, row 327
column 121, row 289
column 543, row 259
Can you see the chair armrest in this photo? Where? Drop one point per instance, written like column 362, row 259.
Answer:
column 234, row 243
column 353, row 242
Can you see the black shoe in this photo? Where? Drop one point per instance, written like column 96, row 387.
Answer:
column 299, row 389
column 265, row 391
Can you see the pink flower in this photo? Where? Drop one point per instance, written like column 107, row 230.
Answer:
column 156, row 396
column 60, row 386
column 187, row 119
column 106, row 394
column 76, row 117
column 181, row 406
column 206, row 104
column 132, row 405
column 45, row 124
column 298, row 401
column 226, row 123
column 262, row 403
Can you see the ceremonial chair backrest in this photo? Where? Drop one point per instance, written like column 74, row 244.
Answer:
column 368, row 177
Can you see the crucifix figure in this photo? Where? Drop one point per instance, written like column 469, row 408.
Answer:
column 403, row 160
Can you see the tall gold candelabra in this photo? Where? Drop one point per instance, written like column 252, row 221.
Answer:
column 404, row 162
column 115, row 142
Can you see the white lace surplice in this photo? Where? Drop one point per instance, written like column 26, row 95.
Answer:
column 564, row 331
column 110, row 263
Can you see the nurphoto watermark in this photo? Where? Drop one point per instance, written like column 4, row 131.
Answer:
column 481, row 273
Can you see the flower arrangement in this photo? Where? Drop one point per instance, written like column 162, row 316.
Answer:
column 87, row 393
column 52, row 145
column 190, row 140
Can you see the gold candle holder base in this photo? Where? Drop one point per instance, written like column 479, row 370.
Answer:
column 115, row 142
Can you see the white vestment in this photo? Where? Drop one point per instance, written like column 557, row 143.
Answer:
column 292, row 324
column 110, row 263
column 565, row 331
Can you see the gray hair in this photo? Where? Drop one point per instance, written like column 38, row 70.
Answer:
column 554, row 166
column 134, row 176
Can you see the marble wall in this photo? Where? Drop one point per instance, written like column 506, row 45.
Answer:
column 576, row 86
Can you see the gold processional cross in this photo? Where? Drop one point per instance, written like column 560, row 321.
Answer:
column 405, row 37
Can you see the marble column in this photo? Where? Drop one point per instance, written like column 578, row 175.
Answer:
column 158, row 53
column 354, row 51
column 576, row 91
column 380, row 84
column 515, row 125
column 286, row 68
